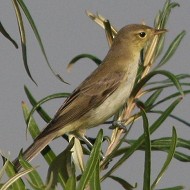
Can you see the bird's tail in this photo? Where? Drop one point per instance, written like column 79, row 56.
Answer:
column 36, row 147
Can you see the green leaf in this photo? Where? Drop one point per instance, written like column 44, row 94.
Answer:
column 168, row 160
column 5, row 33
column 92, row 162
column 179, row 77
column 151, row 99
column 147, row 165
column 144, row 80
column 47, row 98
column 13, row 181
column 59, row 166
column 82, row 56
column 123, row 183
column 33, row 128
column 40, row 110
column 169, row 97
column 95, row 179
column 34, row 176
column 174, row 188
column 71, row 183
column 182, row 157
column 10, row 171
column 160, row 45
column 163, row 144
column 172, row 116
column 22, row 37
column 163, row 15
column 35, row 30
column 167, row 86
column 164, row 115
column 172, row 48
column 157, row 19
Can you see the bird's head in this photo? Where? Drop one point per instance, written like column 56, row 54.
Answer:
column 137, row 35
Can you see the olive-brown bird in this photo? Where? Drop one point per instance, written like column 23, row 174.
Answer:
column 102, row 93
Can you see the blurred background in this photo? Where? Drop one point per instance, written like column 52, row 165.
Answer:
column 66, row 31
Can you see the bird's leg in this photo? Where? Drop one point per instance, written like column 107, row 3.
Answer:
column 88, row 143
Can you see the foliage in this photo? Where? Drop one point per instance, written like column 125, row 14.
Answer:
column 62, row 168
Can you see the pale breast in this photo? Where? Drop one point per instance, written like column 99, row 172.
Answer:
column 113, row 103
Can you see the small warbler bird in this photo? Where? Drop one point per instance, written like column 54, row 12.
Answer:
column 102, row 93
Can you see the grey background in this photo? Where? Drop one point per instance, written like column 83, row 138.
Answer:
column 66, row 31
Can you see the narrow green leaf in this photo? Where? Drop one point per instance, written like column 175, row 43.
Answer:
column 140, row 140
column 123, row 183
column 172, row 48
column 164, row 143
column 168, row 160
column 167, row 86
column 13, row 181
column 156, row 19
column 174, row 188
column 40, row 110
column 10, row 171
column 42, row 101
column 22, row 37
column 160, row 146
column 168, row 74
column 182, row 157
column 172, row 116
column 59, row 167
column 95, row 179
column 160, row 45
column 34, row 176
column 92, row 162
column 169, row 98
column 71, row 183
column 165, row 12
column 35, row 30
column 82, row 56
column 183, row 143
column 5, row 33
column 33, row 128
column 147, row 166
column 179, row 77
column 151, row 99
column 164, row 115
column 147, row 142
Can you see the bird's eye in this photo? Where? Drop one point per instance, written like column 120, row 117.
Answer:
column 142, row 34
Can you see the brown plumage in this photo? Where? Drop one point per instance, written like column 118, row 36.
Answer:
column 102, row 93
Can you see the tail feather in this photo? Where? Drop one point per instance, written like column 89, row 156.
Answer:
column 35, row 148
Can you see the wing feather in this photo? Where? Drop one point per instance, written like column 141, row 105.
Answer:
column 86, row 97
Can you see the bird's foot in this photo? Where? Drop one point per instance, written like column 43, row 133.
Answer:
column 119, row 124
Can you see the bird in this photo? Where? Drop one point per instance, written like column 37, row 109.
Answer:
column 102, row 93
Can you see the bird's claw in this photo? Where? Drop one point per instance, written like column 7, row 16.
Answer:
column 119, row 124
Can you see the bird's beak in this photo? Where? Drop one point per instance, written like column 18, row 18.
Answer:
column 159, row 31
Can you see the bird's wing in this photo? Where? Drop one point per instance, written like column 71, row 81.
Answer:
column 83, row 99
